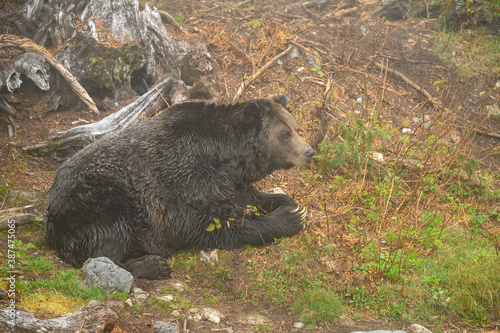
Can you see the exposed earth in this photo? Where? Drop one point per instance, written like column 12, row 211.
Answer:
column 331, row 51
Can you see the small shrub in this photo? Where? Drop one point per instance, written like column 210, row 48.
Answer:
column 317, row 305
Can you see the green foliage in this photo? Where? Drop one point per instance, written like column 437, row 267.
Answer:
column 288, row 270
column 255, row 23
column 66, row 283
column 354, row 146
column 473, row 55
column 178, row 17
column 317, row 305
column 463, row 277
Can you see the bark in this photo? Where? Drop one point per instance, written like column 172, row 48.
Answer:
column 116, row 51
column 95, row 317
column 27, row 45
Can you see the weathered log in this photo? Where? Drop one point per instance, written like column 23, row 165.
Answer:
column 318, row 4
column 27, row 45
column 170, row 90
column 95, row 318
column 17, row 219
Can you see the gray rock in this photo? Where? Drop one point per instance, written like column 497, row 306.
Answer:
column 178, row 286
column 210, row 314
column 416, row 328
column 104, row 273
column 299, row 324
column 294, row 53
column 114, row 303
column 165, row 298
column 346, row 321
column 493, row 110
column 251, row 318
column 163, row 327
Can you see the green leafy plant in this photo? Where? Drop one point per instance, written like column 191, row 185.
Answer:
column 317, row 305
column 356, row 142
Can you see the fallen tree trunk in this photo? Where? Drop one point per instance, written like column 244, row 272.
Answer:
column 95, row 317
column 168, row 92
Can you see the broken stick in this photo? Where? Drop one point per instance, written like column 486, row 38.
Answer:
column 254, row 77
column 27, row 45
column 410, row 82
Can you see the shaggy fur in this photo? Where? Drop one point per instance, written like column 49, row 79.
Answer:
column 139, row 196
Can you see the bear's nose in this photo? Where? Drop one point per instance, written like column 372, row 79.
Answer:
column 310, row 153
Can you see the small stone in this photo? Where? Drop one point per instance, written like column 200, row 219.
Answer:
column 175, row 314
column 104, row 273
column 407, row 131
column 210, row 258
column 163, row 327
column 141, row 296
column 416, row 328
column 137, row 290
column 492, row 110
column 178, row 286
column 275, row 190
column 497, row 84
column 294, row 53
column 299, row 324
column 129, row 302
column 427, row 122
column 114, row 303
column 252, row 318
column 166, row 298
column 346, row 321
column 229, row 330
column 363, row 30
column 211, row 315
column 194, row 310
column 279, row 62
column 117, row 104
column 378, row 157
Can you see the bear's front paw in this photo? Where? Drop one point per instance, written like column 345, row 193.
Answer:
column 293, row 218
column 150, row 267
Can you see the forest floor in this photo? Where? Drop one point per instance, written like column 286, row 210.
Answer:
column 369, row 220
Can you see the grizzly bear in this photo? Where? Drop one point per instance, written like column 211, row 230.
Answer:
column 163, row 184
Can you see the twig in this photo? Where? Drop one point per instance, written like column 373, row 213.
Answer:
column 252, row 78
column 27, row 45
column 167, row 17
column 407, row 80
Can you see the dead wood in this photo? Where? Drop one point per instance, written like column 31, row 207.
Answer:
column 321, row 113
column 27, row 45
column 254, row 77
column 167, row 17
column 318, row 4
column 95, row 317
column 407, row 80
column 170, row 90
column 17, row 219
column 339, row 13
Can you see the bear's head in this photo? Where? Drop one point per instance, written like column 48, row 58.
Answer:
column 277, row 141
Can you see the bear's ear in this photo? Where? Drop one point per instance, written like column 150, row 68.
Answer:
column 252, row 115
column 281, row 99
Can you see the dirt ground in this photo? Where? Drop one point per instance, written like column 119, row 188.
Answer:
column 345, row 49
